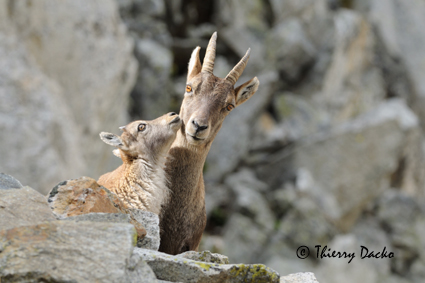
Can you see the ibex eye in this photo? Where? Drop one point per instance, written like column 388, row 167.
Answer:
column 141, row 127
column 188, row 88
column 230, row 107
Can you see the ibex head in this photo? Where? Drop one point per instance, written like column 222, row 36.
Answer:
column 145, row 139
column 209, row 99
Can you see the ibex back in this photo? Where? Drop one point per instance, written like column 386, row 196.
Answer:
column 207, row 101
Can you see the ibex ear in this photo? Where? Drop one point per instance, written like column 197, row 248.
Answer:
column 246, row 90
column 113, row 140
column 194, row 64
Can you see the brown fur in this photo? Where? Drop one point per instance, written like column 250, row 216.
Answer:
column 203, row 111
column 140, row 182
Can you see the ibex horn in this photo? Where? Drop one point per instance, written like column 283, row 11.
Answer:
column 209, row 59
column 237, row 71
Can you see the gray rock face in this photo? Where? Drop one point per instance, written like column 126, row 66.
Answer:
column 7, row 182
column 34, row 113
column 57, row 76
column 24, row 206
column 360, row 178
column 243, row 238
column 65, row 251
column 175, row 268
column 399, row 23
column 150, row 221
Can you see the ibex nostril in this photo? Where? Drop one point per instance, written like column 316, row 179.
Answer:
column 198, row 127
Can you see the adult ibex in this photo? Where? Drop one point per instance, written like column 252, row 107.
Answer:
column 207, row 101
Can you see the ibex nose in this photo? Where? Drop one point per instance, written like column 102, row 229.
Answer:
column 198, row 127
column 172, row 113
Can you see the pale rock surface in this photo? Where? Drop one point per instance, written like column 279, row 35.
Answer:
column 23, row 206
column 175, row 268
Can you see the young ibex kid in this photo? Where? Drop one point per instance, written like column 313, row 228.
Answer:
column 140, row 182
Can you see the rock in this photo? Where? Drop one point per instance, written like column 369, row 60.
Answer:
column 289, row 49
column 175, row 268
column 34, row 114
column 85, row 195
column 305, row 277
column 243, row 239
column 150, row 221
column 20, row 207
column 306, row 224
column 288, row 265
column 90, row 58
column 337, row 269
column 8, row 182
column 101, row 217
column 65, row 251
column 399, row 24
column 401, row 215
column 82, row 196
column 205, row 256
column 156, row 61
column 352, row 68
column 382, row 133
column 216, row 195
column 249, row 201
column 370, row 233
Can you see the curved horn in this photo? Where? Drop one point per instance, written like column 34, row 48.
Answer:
column 237, row 71
column 209, row 58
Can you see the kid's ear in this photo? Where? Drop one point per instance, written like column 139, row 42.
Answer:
column 113, row 140
column 246, row 90
column 194, row 64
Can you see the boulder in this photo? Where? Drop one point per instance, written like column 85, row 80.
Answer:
column 21, row 206
column 302, row 277
column 175, row 268
column 65, row 251
column 85, row 195
column 150, row 221
column 7, row 182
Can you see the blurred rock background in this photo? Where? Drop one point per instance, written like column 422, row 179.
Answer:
column 329, row 151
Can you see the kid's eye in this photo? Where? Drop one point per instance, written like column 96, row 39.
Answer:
column 141, row 127
column 188, row 88
column 230, row 107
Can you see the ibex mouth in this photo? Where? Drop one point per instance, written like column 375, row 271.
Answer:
column 195, row 138
column 175, row 120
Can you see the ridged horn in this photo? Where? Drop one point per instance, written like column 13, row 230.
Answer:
column 237, row 71
column 208, row 65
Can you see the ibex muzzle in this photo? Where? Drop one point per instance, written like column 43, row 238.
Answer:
column 207, row 101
